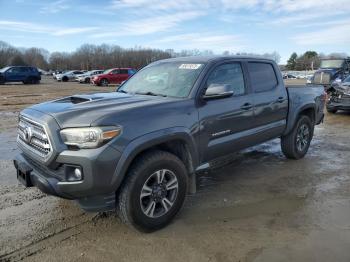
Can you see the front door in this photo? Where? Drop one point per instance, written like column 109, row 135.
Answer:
column 225, row 123
column 15, row 74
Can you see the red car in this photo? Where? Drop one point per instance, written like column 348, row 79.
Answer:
column 113, row 76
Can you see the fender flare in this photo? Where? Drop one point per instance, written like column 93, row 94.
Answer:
column 292, row 118
column 149, row 140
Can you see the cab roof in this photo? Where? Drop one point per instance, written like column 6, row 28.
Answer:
column 213, row 58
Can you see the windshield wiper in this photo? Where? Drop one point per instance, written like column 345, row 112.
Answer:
column 149, row 93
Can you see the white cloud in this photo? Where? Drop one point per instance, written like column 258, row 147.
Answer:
column 54, row 7
column 202, row 41
column 259, row 5
column 41, row 29
column 339, row 34
column 161, row 4
column 150, row 25
column 23, row 27
column 74, row 30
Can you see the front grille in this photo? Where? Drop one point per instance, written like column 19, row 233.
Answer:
column 322, row 78
column 33, row 137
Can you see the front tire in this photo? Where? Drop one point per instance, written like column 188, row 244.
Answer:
column 296, row 144
column 65, row 79
column 153, row 192
column 104, row 82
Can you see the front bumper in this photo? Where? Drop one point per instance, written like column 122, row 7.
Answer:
column 339, row 103
column 95, row 192
column 95, row 81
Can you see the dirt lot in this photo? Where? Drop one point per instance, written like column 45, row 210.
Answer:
column 261, row 207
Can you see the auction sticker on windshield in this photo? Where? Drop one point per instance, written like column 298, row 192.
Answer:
column 190, row 66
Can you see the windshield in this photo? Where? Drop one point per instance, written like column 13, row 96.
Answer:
column 165, row 79
column 107, row 71
column 4, row 69
column 332, row 63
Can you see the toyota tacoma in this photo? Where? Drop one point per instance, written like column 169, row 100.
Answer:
column 138, row 150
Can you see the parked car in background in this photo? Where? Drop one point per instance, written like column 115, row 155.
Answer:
column 332, row 70
column 25, row 74
column 309, row 79
column 113, row 76
column 57, row 72
column 301, row 76
column 289, row 76
column 69, row 76
column 43, row 72
column 86, row 77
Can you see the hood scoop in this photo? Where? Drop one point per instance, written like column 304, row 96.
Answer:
column 76, row 99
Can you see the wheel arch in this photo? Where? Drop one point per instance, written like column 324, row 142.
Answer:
column 308, row 110
column 177, row 141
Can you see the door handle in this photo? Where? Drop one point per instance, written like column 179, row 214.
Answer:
column 280, row 99
column 247, row 106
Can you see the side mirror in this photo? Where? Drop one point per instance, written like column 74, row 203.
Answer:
column 217, row 91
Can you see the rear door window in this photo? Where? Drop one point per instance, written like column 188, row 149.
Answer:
column 13, row 70
column 24, row 69
column 123, row 71
column 262, row 76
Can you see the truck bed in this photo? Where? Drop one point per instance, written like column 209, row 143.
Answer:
column 302, row 96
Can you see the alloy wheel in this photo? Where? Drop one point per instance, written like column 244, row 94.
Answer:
column 303, row 136
column 159, row 193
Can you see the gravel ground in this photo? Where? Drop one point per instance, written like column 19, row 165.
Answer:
column 260, row 207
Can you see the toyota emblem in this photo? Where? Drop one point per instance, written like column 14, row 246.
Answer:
column 27, row 134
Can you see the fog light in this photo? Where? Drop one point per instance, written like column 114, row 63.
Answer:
column 77, row 173
column 73, row 173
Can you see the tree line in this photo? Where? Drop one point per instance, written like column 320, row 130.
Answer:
column 103, row 56
column 310, row 60
column 86, row 57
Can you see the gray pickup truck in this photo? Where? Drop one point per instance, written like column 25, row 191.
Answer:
column 137, row 150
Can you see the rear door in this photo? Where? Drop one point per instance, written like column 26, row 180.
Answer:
column 123, row 75
column 114, row 77
column 270, row 100
column 225, row 123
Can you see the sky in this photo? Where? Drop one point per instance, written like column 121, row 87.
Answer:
column 253, row 26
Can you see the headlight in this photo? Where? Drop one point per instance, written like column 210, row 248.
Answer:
column 89, row 137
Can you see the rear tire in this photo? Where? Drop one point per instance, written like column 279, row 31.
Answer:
column 332, row 111
column 28, row 81
column 296, row 143
column 153, row 192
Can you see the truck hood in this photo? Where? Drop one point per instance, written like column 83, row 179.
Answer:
column 82, row 110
